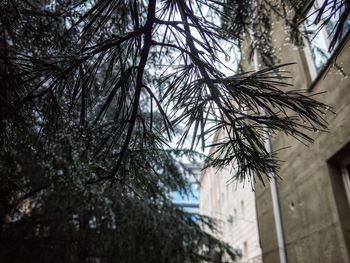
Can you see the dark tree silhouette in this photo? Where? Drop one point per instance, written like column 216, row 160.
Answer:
column 93, row 96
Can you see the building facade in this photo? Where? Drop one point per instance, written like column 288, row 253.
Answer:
column 314, row 186
column 233, row 205
column 314, row 189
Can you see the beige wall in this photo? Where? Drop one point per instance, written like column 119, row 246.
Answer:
column 221, row 199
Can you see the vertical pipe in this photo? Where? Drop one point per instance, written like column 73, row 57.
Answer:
column 274, row 192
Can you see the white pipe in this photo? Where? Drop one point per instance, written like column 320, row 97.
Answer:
column 274, row 192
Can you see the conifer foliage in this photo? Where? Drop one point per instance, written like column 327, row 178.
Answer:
column 93, row 96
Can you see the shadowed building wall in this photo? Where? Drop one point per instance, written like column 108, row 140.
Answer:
column 314, row 205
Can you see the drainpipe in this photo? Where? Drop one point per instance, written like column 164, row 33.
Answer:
column 274, row 192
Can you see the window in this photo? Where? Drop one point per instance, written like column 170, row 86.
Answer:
column 230, row 219
column 245, row 251
column 242, row 209
column 339, row 167
column 318, row 38
column 235, row 216
column 345, row 170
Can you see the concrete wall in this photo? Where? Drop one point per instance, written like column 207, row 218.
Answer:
column 315, row 216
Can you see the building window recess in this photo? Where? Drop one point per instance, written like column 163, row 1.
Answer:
column 318, row 37
column 345, row 171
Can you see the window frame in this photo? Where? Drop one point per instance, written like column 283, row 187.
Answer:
column 313, row 74
column 346, row 177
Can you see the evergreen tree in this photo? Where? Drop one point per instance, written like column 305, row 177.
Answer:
column 93, row 95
